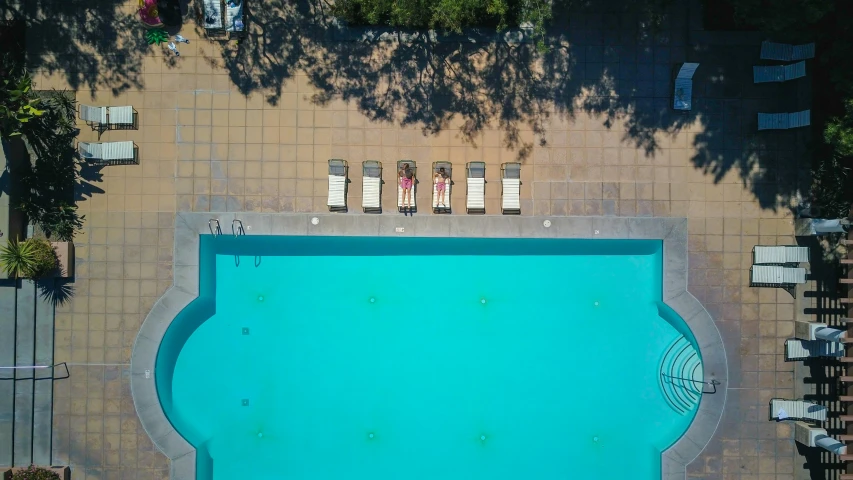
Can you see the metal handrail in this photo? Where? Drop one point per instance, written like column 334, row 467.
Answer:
column 712, row 383
column 214, row 231
column 40, row 367
column 239, row 230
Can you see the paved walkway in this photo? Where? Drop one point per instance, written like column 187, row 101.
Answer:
column 250, row 127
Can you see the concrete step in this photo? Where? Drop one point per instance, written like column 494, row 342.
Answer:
column 24, row 384
column 681, row 375
column 7, row 359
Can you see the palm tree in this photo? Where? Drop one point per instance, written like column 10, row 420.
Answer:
column 17, row 259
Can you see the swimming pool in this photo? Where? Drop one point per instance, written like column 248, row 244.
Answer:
column 423, row 358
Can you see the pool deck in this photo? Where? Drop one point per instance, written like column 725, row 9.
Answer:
column 252, row 133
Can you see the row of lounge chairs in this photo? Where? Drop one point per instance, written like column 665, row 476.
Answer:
column 475, row 182
column 775, row 266
column 783, row 73
column 109, row 118
column 102, row 119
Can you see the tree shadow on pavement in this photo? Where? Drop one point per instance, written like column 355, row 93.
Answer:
column 95, row 44
column 602, row 62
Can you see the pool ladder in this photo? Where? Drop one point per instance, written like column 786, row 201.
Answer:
column 237, row 228
column 215, row 228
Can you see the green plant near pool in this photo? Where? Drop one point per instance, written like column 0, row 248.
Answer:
column 30, row 258
column 35, row 473
column 157, row 36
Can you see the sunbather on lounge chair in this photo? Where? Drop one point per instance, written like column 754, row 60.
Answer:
column 441, row 178
column 407, row 181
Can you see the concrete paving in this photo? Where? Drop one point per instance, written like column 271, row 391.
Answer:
column 249, row 127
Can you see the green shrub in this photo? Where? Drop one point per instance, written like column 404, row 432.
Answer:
column 31, row 258
column 35, row 473
column 44, row 256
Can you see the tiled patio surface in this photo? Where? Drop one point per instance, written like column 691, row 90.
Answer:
column 205, row 146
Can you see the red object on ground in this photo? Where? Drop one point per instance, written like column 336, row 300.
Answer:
column 148, row 13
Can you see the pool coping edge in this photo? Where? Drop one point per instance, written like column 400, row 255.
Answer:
column 190, row 225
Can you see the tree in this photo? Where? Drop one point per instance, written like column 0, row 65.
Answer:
column 782, row 16
column 18, row 104
column 48, row 181
column 451, row 15
column 839, row 132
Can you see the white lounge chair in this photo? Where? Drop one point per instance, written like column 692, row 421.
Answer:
column 448, row 182
column 786, row 52
column 414, row 167
column 476, row 195
column 121, row 116
column 776, row 276
column 108, row 153
column 682, row 98
column 93, row 116
column 796, row 349
column 778, row 73
column 781, row 409
column 371, row 186
column 784, row 121
column 212, row 13
column 511, row 188
column 337, row 185
column 108, row 117
column 779, row 255
column 234, row 16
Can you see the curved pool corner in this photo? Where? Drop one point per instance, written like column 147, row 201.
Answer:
column 144, row 381
column 707, row 338
column 185, row 293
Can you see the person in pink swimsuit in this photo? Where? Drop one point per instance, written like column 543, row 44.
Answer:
column 407, row 181
column 440, row 178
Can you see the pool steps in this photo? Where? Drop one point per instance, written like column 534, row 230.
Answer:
column 681, row 376
column 26, row 403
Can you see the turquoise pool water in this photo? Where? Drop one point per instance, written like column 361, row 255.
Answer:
column 395, row 358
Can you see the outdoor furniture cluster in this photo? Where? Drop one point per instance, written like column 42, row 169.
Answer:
column 103, row 119
column 109, row 118
column 475, row 182
column 223, row 18
column 777, row 266
column 816, row 342
column 782, row 73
